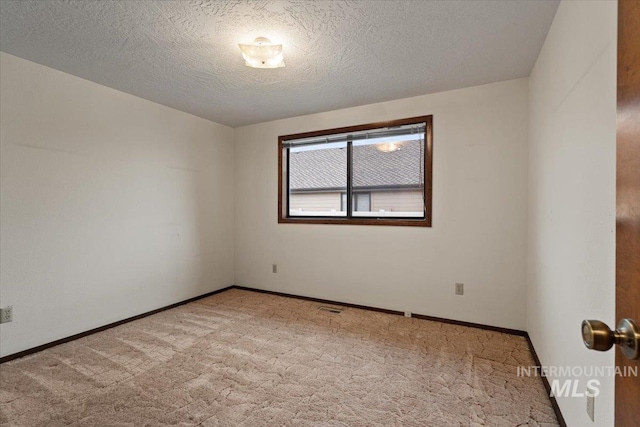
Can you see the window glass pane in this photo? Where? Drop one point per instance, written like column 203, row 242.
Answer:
column 390, row 172
column 317, row 180
column 362, row 202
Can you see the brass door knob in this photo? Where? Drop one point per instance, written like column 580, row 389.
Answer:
column 597, row 336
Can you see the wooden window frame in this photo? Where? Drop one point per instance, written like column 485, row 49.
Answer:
column 283, row 177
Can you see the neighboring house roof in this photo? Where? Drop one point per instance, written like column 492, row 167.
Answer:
column 326, row 169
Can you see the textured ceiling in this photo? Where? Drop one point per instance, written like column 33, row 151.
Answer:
column 340, row 53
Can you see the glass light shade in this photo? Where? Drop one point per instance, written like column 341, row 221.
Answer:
column 388, row 147
column 262, row 54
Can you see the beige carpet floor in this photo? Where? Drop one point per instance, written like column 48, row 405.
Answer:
column 241, row 358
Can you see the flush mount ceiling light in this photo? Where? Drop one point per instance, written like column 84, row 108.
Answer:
column 262, row 54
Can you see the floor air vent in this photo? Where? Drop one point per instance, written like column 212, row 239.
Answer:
column 334, row 310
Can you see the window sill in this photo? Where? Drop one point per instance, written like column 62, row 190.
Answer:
column 423, row 222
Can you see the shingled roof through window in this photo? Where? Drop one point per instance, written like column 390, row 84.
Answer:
column 327, row 168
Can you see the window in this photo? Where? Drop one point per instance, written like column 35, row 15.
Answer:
column 376, row 174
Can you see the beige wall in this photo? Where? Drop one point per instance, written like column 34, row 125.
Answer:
column 571, row 244
column 479, row 215
column 112, row 206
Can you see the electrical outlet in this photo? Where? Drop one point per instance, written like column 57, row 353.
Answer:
column 459, row 288
column 407, row 314
column 274, row 268
column 590, row 403
column 6, row 314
